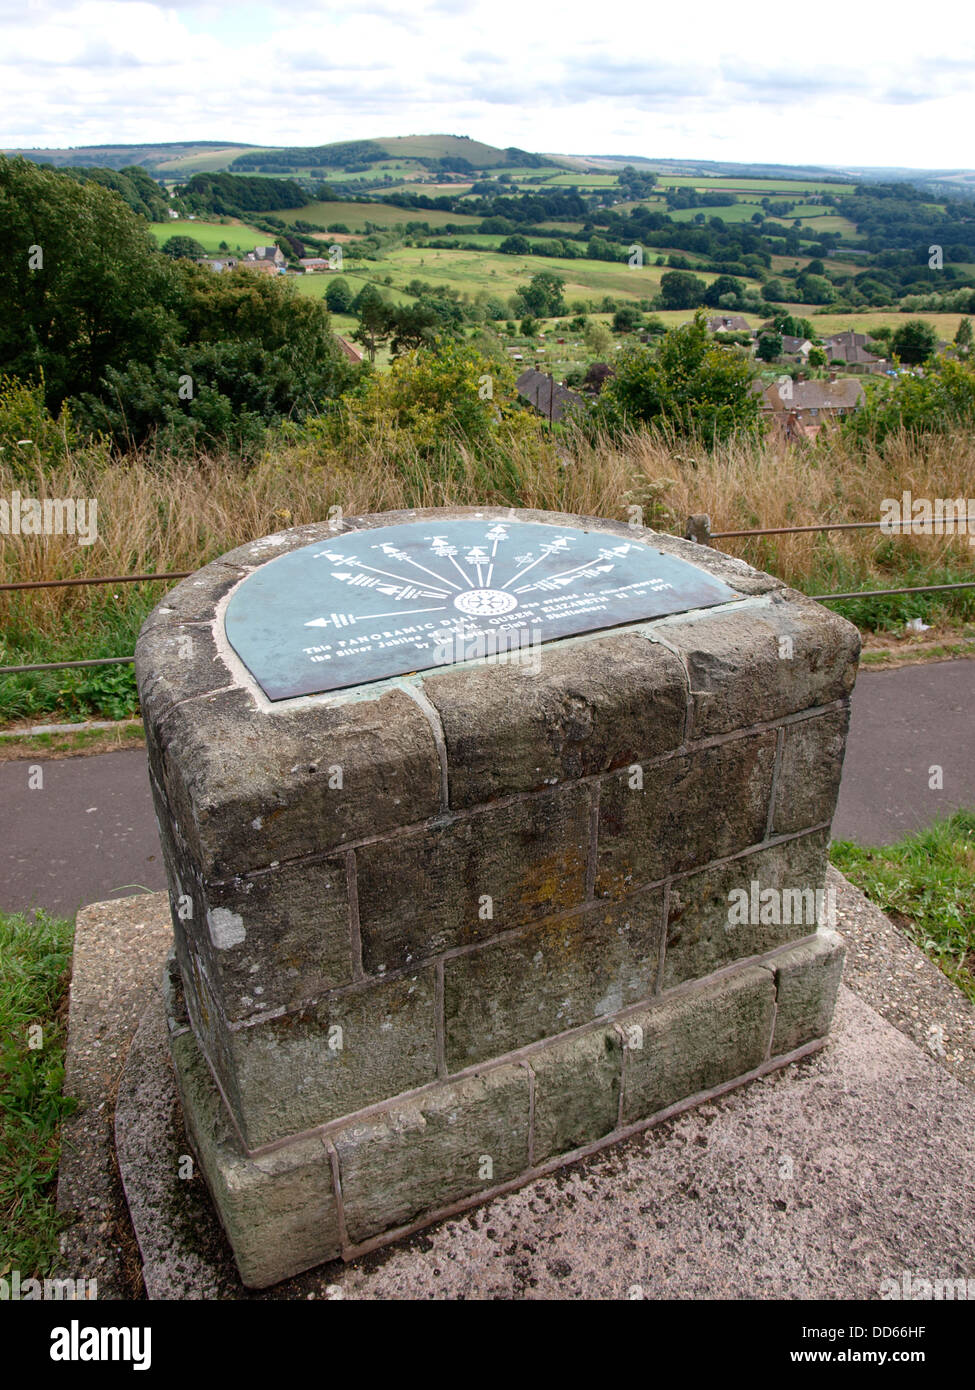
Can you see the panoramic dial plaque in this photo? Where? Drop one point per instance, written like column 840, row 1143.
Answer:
column 366, row 605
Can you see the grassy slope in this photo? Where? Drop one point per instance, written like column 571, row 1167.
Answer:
column 238, row 235
column 35, row 956
column 926, row 883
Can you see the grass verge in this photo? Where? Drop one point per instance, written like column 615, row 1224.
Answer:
column 926, row 884
column 35, row 958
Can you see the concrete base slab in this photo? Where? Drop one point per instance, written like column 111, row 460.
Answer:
column 874, row 1131
column 819, row 1181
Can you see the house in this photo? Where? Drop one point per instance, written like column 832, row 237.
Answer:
column 263, row 267
column 729, row 323
column 850, row 349
column 796, row 348
column 350, row 350
column 267, row 253
column 313, row 264
column 221, row 264
column 801, row 408
column 172, row 214
column 548, row 396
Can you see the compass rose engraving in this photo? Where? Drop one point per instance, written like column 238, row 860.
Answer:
column 373, row 603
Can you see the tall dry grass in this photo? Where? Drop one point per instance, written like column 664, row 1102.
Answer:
column 176, row 514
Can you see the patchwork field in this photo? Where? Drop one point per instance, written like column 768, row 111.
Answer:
column 357, row 215
column 471, row 272
column 238, row 235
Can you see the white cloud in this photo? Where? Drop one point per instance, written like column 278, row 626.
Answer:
column 761, row 83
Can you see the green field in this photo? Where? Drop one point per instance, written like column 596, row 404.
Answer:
column 863, row 320
column 761, row 186
column 238, row 235
column 472, row 272
column 356, row 215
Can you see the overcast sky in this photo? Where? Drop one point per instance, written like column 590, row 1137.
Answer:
column 868, row 84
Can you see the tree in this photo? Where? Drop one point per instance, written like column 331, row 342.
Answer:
column 769, row 347
column 543, row 294
column 774, row 291
column 817, row 357
column 598, row 338
column 140, row 342
column 723, row 285
column 963, row 336
column 914, row 341
column 681, row 290
column 688, row 383
column 375, row 320
column 81, row 282
column 626, row 319
column 528, row 327
column 183, row 247
column 413, row 326
column 515, row 246
column 338, row 295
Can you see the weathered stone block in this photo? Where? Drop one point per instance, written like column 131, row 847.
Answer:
column 698, row 1040
column 441, row 887
column 251, row 789
column 807, row 979
column 689, row 810
column 423, row 1154
column 577, row 1091
column 809, row 771
column 550, row 978
column 744, row 908
column 757, row 664
column 593, row 705
column 279, row 1211
column 350, row 1050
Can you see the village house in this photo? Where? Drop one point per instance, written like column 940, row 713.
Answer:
column 262, row 267
column 548, row 396
column 796, row 348
column 850, row 349
column 221, row 263
column 267, row 253
column 729, row 323
column 313, row 265
column 800, row 408
column 350, row 350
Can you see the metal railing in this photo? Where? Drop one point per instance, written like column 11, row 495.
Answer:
column 697, row 528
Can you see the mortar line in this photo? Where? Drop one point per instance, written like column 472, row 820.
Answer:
column 333, row 1160
column 593, row 843
column 687, row 988
column 439, row 1021
column 355, row 934
column 623, row 1060
column 662, row 947
column 443, row 820
column 422, row 700
column 776, row 765
column 523, row 928
column 531, row 1112
column 552, row 1165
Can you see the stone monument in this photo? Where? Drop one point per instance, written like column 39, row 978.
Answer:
column 492, row 837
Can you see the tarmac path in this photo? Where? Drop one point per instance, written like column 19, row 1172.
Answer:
column 87, row 832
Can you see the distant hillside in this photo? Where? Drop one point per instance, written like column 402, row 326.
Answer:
column 214, row 153
column 405, row 153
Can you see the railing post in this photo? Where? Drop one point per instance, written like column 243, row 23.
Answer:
column 698, row 528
